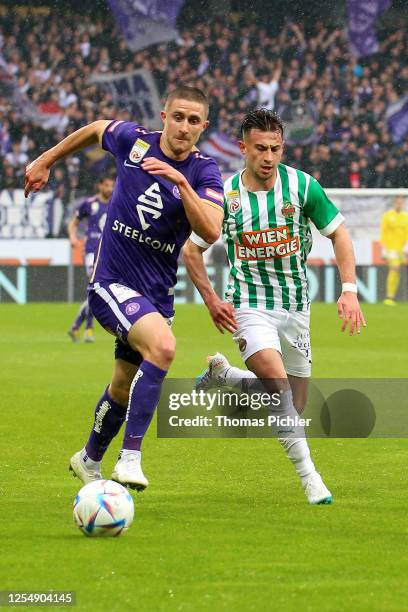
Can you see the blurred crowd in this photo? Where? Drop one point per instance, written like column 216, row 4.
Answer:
column 239, row 65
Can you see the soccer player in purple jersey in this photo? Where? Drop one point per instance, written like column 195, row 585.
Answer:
column 164, row 189
column 93, row 211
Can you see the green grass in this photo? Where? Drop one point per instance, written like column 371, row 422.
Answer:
column 224, row 524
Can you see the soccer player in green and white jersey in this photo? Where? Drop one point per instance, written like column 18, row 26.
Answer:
column 267, row 237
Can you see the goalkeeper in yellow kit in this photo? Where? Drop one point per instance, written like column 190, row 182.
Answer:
column 394, row 241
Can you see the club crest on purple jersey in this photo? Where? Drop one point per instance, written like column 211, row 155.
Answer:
column 176, row 192
column 132, row 308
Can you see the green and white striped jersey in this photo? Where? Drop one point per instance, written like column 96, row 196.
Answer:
column 268, row 238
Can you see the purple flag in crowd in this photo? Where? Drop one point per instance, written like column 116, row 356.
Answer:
column 136, row 91
column 362, row 17
column 397, row 119
column 146, row 22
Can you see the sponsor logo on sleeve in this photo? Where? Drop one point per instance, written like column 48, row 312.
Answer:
column 138, row 151
column 233, row 201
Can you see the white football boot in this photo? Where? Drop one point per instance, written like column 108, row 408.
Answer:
column 316, row 491
column 78, row 466
column 128, row 471
column 214, row 375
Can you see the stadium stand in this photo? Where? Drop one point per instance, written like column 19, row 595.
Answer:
column 238, row 63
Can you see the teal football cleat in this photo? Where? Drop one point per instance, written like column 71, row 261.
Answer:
column 214, row 375
column 316, row 491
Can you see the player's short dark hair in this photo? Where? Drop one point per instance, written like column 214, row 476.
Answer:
column 261, row 119
column 186, row 92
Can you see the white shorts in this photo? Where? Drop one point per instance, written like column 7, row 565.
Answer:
column 89, row 262
column 287, row 332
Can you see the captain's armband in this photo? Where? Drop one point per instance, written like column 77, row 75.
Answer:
column 199, row 241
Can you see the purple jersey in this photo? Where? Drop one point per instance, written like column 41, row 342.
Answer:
column 93, row 210
column 146, row 225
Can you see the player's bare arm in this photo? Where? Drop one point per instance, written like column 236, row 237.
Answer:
column 205, row 220
column 72, row 231
column 38, row 172
column 221, row 312
column 348, row 306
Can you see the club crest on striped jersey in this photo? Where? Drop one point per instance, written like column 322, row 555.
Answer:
column 288, row 210
column 138, row 151
column 233, row 201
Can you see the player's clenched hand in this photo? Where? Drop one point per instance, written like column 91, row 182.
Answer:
column 222, row 314
column 36, row 176
column 349, row 310
column 160, row 168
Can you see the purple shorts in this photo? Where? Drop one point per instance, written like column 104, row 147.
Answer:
column 117, row 307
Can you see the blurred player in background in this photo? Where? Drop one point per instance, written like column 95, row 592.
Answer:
column 164, row 189
column 93, row 212
column 394, row 242
column 267, row 238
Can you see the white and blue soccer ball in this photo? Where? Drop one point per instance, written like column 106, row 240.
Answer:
column 103, row 508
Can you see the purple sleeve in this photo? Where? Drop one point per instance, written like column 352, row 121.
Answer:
column 209, row 184
column 82, row 211
column 119, row 137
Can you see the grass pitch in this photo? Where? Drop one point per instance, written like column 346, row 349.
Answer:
column 224, row 524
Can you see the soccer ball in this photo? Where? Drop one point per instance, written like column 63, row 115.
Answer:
column 103, row 508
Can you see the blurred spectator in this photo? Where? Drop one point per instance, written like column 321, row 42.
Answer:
column 240, row 65
column 16, row 157
column 354, row 175
column 268, row 87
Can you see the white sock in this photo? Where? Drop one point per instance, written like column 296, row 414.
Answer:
column 294, row 444
column 90, row 463
column 240, row 378
column 297, row 449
